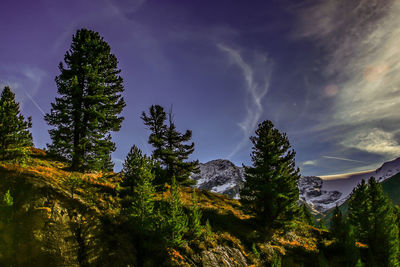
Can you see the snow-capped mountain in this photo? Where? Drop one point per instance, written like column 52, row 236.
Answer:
column 345, row 185
column 310, row 191
column 220, row 176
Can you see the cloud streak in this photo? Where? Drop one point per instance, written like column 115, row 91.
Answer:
column 343, row 159
column 257, row 85
column 362, row 58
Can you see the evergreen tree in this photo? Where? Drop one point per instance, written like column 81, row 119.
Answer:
column 89, row 105
column 383, row 236
column 306, row 215
column 375, row 223
column 6, row 207
column 176, row 217
column 195, row 216
column 132, row 167
column 169, row 146
column 359, row 212
column 337, row 224
column 143, row 195
column 156, row 123
column 271, row 189
column 14, row 133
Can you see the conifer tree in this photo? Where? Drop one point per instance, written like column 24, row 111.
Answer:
column 343, row 233
column 14, row 133
column 306, row 215
column 143, row 195
column 176, row 218
column 195, row 216
column 383, row 236
column 270, row 189
column 359, row 213
column 87, row 110
column 337, row 224
column 132, row 167
column 169, row 146
column 375, row 223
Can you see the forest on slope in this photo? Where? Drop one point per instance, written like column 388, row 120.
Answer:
column 65, row 205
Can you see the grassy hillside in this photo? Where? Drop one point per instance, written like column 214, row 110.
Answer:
column 58, row 223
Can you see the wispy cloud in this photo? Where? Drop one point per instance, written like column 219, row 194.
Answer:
column 344, row 159
column 25, row 81
column 35, row 103
column 360, row 39
column 309, row 163
column 257, row 85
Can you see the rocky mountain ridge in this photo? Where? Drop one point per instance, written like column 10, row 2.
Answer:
column 222, row 176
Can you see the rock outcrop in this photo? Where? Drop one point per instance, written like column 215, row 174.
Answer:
column 220, row 176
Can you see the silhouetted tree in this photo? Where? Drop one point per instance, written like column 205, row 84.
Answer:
column 270, row 189
column 14, row 133
column 169, row 146
column 90, row 102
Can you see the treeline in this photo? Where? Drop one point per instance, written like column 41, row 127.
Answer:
column 369, row 233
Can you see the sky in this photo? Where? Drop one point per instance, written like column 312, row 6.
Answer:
column 324, row 72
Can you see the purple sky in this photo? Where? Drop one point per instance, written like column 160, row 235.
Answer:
column 325, row 72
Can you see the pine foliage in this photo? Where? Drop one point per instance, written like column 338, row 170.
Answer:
column 170, row 146
column 375, row 222
column 270, row 190
column 195, row 216
column 143, row 196
column 359, row 213
column 306, row 215
column 133, row 166
column 87, row 110
column 14, row 133
column 177, row 220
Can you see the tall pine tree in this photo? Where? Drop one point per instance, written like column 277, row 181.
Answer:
column 14, row 133
column 270, row 190
column 170, row 146
column 359, row 213
column 89, row 105
column 383, row 237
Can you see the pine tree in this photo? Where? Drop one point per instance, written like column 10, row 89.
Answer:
column 383, row 237
column 359, row 213
column 270, row 190
column 195, row 216
column 90, row 102
column 375, row 223
column 337, row 224
column 169, row 146
column 143, row 195
column 6, row 207
column 14, row 133
column 176, row 218
column 132, row 167
column 306, row 215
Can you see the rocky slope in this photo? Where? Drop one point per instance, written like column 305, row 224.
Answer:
column 310, row 189
column 220, row 176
